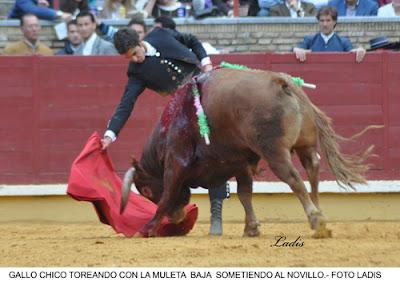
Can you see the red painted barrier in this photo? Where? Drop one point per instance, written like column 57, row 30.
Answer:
column 49, row 106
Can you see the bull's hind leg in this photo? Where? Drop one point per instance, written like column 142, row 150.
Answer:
column 281, row 164
column 245, row 190
column 310, row 161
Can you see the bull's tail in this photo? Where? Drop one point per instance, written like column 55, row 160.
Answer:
column 347, row 169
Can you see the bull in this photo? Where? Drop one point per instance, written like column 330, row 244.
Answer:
column 253, row 115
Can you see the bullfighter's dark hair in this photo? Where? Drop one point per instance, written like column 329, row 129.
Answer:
column 86, row 14
column 327, row 11
column 125, row 39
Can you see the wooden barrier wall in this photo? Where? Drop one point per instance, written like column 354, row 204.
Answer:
column 49, row 106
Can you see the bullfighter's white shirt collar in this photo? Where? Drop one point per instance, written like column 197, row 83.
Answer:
column 150, row 50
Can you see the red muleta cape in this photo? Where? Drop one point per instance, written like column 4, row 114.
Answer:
column 94, row 179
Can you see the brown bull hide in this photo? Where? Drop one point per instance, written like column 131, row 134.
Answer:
column 252, row 115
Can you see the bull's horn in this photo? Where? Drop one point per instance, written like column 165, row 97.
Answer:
column 126, row 188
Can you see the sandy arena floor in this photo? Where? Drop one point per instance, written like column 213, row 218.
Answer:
column 93, row 244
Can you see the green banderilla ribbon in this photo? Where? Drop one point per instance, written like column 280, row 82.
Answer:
column 201, row 116
column 233, row 66
column 297, row 80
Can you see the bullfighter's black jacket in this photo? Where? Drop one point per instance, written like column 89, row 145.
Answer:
column 176, row 59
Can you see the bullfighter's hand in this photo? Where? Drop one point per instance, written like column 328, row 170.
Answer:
column 207, row 68
column 105, row 142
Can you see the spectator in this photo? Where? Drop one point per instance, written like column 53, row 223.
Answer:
column 136, row 23
column 74, row 6
column 326, row 40
column 318, row 3
column 352, row 8
column 293, row 9
column 158, row 8
column 116, row 9
column 30, row 44
column 74, row 39
column 208, row 7
column 92, row 44
column 40, row 8
column 166, row 8
column 165, row 22
column 260, row 8
column 390, row 10
column 146, row 6
column 224, row 6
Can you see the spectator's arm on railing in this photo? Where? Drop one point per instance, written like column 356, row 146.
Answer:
column 360, row 53
column 300, row 53
column 41, row 12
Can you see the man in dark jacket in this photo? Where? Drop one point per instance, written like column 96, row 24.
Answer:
column 163, row 61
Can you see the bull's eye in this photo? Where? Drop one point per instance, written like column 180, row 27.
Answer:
column 146, row 192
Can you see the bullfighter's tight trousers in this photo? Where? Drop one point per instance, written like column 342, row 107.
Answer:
column 217, row 196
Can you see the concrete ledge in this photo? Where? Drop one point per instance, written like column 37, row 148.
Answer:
column 230, row 21
column 374, row 186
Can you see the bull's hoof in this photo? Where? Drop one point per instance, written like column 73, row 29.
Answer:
column 149, row 230
column 322, row 233
column 251, row 229
column 177, row 216
column 318, row 223
column 153, row 233
column 147, row 233
column 317, row 220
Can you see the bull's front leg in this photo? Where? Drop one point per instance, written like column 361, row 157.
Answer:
column 245, row 190
column 170, row 202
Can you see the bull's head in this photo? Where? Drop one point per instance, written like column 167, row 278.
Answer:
column 148, row 186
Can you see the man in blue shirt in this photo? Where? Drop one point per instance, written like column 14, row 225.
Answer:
column 327, row 40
